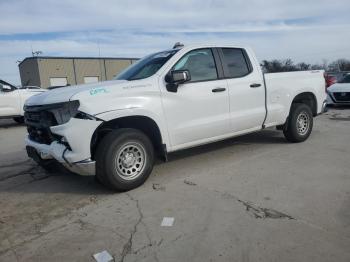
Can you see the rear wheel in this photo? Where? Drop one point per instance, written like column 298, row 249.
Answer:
column 299, row 125
column 124, row 159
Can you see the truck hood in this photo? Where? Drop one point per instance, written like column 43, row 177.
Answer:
column 64, row 94
column 33, row 91
column 339, row 87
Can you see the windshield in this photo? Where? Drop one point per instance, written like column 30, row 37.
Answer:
column 346, row 79
column 2, row 82
column 147, row 66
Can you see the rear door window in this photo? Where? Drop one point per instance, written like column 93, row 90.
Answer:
column 235, row 62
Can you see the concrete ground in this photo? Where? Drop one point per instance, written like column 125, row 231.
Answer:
column 253, row 198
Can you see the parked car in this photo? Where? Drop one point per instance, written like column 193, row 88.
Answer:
column 339, row 93
column 168, row 101
column 12, row 100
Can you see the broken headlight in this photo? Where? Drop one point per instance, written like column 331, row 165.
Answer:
column 82, row 115
column 63, row 112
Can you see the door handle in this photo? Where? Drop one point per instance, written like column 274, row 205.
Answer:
column 255, row 85
column 218, row 89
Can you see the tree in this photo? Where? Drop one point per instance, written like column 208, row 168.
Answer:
column 303, row 66
column 288, row 65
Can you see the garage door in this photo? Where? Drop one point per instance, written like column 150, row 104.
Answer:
column 90, row 79
column 58, row 81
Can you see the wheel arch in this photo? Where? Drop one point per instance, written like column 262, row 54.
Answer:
column 307, row 98
column 140, row 122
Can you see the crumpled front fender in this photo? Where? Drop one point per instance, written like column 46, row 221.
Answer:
column 78, row 134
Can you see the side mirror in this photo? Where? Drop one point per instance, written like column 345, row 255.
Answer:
column 176, row 77
column 180, row 76
column 5, row 88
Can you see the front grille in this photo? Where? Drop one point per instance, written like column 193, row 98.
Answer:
column 41, row 135
column 39, row 120
column 342, row 96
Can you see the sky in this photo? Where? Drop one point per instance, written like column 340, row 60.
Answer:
column 303, row 30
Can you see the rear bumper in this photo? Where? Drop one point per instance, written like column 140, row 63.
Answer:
column 60, row 153
column 324, row 108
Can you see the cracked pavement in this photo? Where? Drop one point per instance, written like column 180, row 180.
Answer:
column 252, row 198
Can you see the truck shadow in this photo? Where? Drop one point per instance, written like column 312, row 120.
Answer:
column 33, row 179
column 337, row 107
column 267, row 136
column 8, row 123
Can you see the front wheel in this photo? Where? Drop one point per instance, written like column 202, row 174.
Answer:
column 124, row 159
column 299, row 125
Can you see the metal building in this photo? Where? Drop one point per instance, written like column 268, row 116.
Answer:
column 60, row 71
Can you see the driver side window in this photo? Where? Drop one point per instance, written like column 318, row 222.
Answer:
column 200, row 63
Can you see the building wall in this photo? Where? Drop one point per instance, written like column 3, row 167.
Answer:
column 114, row 67
column 89, row 68
column 50, row 68
column 39, row 70
column 29, row 73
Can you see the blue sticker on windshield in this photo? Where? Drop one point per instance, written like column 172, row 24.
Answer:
column 97, row 91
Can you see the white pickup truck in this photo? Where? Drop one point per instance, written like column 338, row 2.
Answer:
column 170, row 100
column 12, row 100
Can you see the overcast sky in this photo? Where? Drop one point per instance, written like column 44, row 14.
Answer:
column 304, row 30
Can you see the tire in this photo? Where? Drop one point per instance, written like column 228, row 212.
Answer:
column 124, row 159
column 299, row 125
column 19, row 119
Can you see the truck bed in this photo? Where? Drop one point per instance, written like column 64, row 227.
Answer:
column 281, row 88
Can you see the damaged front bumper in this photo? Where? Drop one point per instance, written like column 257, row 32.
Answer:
column 72, row 150
column 57, row 151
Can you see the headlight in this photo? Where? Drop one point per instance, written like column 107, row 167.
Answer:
column 54, row 114
column 82, row 115
column 63, row 112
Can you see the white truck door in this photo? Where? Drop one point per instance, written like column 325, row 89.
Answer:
column 200, row 108
column 9, row 101
column 246, row 89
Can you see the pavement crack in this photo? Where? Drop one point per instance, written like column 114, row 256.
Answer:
column 16, row 164
column 262, row 212
column 160, row 242
column 127, row 248
column 37, row 236
column 177, row 238
column 190, row 183
column 257, row 211
column 15, row 254
column 28, row 171
column 155, row 257
column 158, row 187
